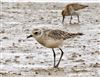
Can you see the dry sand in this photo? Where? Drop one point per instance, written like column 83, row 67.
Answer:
column 21, row 57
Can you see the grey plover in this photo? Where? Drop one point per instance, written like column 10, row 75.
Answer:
column 71, row 9
column 52, row 39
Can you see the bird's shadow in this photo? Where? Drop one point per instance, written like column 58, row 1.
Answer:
column 75, row 27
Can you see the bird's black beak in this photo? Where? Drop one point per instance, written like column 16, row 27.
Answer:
column 29, row 36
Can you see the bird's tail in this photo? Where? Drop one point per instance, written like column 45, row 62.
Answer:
column 72, row 35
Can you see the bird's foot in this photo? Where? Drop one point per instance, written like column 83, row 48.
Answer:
column 56, row 66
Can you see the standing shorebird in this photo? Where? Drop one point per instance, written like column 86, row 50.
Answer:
column 52, row 39
column 71, row 9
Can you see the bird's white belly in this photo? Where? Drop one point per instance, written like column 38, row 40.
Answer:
column 53, row 43
column 50, row 43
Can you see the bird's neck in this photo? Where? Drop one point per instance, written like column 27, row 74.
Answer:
column 40, row 40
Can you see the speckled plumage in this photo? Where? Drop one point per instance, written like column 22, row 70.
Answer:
column 52, row 39
column 58, row 34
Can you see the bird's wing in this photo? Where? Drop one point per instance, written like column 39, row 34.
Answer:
column 77, row 6
column 57, row 34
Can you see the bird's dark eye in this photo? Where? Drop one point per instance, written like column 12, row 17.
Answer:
column 36, row 33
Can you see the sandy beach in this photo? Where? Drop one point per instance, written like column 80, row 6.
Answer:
column 22, row 57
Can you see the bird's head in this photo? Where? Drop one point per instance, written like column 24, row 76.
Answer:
column 36, row 33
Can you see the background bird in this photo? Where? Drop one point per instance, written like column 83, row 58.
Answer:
column 71, row 9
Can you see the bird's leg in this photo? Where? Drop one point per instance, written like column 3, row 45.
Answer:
column 60, row 58
column 63, row 19
column 78, row 18
column 71, row 19
column 71, row 10
column 54, row 57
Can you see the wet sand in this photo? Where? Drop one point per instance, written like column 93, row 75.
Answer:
column 21, row 57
